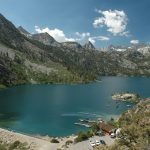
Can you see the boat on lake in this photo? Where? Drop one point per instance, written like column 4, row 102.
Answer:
column 82, row 124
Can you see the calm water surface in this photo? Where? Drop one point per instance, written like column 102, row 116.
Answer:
column 53, row 109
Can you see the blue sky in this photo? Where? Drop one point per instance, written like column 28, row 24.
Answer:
column 103, row 22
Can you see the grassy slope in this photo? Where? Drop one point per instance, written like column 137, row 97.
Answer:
column 2, row 86
column 15, row 72
column 14, row 146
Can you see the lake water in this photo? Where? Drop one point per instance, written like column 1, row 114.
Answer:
column 53, row 109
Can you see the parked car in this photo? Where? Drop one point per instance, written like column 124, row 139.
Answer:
column 92, row 143
column 102, row 142
column 97, row 142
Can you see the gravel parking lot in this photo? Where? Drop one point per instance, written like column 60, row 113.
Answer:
column 85, row 145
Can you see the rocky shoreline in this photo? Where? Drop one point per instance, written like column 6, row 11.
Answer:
column 33, row 142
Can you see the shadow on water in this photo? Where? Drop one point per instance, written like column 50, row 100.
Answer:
column 8, row 119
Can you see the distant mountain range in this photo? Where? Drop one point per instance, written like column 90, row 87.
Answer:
column 143, row 48
column 46, row 39
column 39, row 58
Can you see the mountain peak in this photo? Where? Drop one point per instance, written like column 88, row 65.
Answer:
column 73, row 45
column 89, row 45
column 45, row 38
column 23, row 31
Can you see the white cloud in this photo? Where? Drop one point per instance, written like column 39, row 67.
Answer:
column 83, row 35
column 134, row 41
column 100, row 38
column 115, row 21
column 60, row 36
column 91, row 40
column 125, row 33
column 57, row 34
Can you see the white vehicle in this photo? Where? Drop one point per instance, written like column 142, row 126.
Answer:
column 113, row 135
column 92, row 143
column 97, row 142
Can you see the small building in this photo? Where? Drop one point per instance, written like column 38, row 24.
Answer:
column 107, row 128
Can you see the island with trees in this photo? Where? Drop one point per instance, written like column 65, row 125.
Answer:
column 126, row 97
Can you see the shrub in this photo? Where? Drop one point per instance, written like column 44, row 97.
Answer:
column 2, row 146
column 2, row 86
column 81, row 137
column 95, row 128
column 69, row 142
column 89, row 133
column 15, row 145
column 54, row 141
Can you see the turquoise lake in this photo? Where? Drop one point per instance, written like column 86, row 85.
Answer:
column 53, row 109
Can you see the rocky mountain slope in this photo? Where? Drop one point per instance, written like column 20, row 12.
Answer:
column 40, row 58
column 23, row 31
column 23, row 60
column 89, row 46
column 45, row 38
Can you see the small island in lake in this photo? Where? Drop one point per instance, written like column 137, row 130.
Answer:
column 127, row 97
